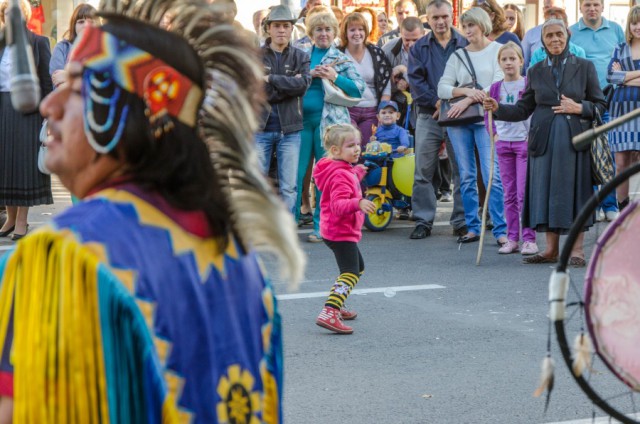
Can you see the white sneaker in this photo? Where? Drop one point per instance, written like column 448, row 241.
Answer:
column 600, row 216
column 529, row 248
column 509, row 247
column 446, row 198
column 611, row 215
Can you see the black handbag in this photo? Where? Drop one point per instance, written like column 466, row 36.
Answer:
column 473, row 114
column 602, row 170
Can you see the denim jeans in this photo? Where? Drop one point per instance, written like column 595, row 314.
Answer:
column 287, row 147
column 464, row 139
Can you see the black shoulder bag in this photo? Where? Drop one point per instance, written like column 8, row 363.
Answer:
column 474, row 113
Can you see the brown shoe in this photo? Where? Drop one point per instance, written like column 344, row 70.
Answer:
column 577, row 262
column 539, row 259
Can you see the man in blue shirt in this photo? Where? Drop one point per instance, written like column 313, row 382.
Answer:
column 598, row 37
column 427, row 60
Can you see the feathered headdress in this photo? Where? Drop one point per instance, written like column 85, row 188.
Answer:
column 227, row 119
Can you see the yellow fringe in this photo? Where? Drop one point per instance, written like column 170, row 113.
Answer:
column 59, row 377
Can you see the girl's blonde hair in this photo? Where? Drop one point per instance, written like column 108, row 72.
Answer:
column 335, row 135
column 632, row 18
column 513, row 46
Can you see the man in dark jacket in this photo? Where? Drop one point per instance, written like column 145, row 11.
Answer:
column 286, row 81
column 427, row 60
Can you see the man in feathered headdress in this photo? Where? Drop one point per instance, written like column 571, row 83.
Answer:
column 145, row 303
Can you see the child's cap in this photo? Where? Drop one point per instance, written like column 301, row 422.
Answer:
column 388, row 103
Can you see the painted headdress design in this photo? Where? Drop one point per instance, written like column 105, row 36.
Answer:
column 221, row 102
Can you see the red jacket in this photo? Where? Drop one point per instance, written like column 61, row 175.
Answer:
column 340, row 215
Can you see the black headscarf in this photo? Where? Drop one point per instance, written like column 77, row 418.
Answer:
column 557, row 60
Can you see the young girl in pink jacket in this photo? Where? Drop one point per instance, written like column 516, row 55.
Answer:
column 342, row 210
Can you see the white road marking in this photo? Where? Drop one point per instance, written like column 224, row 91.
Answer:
column 361, row 291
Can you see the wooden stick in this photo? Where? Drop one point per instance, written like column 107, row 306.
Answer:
column 486, row 197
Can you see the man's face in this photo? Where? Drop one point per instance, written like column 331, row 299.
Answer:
column 409, row 38
column 440, row 19
column 280, row 32
column 69, row 154
column 591, row 11
column 68, row 151
column 404, row 11
column 548, row 4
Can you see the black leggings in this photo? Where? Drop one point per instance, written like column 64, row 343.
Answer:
column 347, row 255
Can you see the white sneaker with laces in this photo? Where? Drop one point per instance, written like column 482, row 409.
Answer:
column 509, row 247
column 600, row 216
column 529, row 248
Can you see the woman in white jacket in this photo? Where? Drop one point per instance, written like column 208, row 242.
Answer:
column 479, row 57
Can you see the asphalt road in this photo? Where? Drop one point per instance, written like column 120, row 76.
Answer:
column 467, row 352
column 437, row 340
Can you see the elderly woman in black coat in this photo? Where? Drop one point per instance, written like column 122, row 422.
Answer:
column 562, row 95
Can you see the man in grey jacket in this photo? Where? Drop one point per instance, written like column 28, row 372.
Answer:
column 286, row 80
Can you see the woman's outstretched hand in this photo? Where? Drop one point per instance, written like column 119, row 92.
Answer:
column 490, row 103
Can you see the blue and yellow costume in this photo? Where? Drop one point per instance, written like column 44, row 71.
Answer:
column 120, row 318
column 146, row 303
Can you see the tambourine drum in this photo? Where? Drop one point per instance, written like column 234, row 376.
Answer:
column 402, row 173
column 612, row 297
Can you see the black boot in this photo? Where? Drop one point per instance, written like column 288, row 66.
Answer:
column 623, row 204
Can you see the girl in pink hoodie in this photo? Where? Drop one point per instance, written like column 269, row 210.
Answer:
column 342, row 210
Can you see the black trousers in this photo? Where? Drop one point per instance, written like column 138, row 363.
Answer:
column 347, row 255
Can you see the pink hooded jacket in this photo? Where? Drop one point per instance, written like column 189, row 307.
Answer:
column 340, row 215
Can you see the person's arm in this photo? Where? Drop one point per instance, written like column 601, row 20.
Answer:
column 404, row 138
column 386, row 93
column 44, row 52
column 421, row 91
column 615, row 74
column 446, row 85
column 526, row 49
column 58, row 58
column 296, row 85
column 594, row 98
column 349, row 80
column 342, row 203
column 514, row 113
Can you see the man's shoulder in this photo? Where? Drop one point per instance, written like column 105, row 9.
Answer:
column 388, row 48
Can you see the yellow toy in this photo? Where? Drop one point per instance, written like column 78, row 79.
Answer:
column 389, row 182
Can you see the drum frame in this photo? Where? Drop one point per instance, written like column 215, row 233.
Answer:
column 565, row 254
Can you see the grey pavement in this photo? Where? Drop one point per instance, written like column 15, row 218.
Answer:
column 469, row 352
column 437, row 340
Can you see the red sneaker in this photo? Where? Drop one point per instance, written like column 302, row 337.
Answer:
column 330, row 319
column 348, row 315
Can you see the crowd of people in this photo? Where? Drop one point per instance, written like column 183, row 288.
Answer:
column 149, row 291
column 426, row 61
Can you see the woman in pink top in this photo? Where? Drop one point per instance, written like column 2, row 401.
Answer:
column 341, row 218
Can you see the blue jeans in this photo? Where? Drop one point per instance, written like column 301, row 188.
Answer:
column 464, row 139
column 287, row 148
